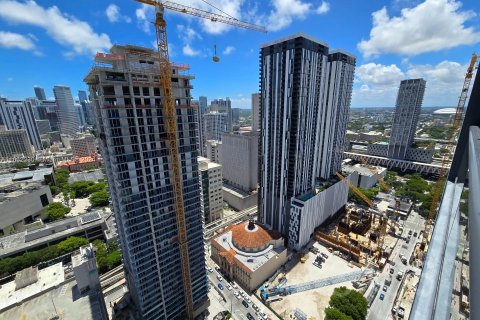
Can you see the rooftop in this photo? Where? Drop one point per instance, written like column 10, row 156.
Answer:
column 293, row 36
column 237, row 234
column 37, row 175
column 54, row 297
column 91, row 175
column 361, row 169
column 12, row 191
column 79, row 160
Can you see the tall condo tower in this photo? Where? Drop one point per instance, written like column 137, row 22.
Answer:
column 125, row 88
column 40, row 93
column 304, row 100
column 223, row 106
column 255, row 111
column 19, row 115
column 407, row 110
column 214, row 125
column 203, row 107
column 66, row 111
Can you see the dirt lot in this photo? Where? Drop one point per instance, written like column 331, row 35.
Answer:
column 312, row 302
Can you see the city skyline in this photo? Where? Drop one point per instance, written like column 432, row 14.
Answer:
column 366, row 31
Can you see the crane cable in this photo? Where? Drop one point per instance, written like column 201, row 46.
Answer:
column 219, row 10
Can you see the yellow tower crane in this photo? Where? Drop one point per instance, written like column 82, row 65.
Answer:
column 355, row 189
column 446, row 161
column 170, row 117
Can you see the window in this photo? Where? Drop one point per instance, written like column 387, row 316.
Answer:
column 44, row 200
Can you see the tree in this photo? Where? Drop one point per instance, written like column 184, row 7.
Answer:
column 108, row 256
column 335, row 314
column 20, row 165
column 56, row 211
column 349, row 302
column 81, row 189
column 99, row 198
column 99, row 186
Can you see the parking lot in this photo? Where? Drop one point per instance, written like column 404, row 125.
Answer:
column 312, row 302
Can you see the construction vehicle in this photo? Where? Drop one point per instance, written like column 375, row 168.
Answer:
column 381, row 182
column 355, row 189
column 170, row 116
column 446, row 161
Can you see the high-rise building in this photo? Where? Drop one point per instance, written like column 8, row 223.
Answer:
column 211, row 183
column 15, row 143
column 128, row 106
column 407, row 110
column 300, row 119
column 212, row 150
column 202, row 109
column 88, row 112
column 214, row 125
column 203, row 102
column 82, row 96
column 255, row 111
column 80, row 115
column 223, row 106
column 43, row 126
column 235, row 116
column 83, row 146
column 239, row 159
column 40, row 93
column 66, row 111
column 19, row 115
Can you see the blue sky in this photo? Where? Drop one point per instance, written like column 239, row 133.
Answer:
column 53, row 42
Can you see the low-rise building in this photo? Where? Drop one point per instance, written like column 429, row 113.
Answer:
column 249, row 253
column 211, row 189
column 81, row 163
column 362, row 177
column 239, row 199
column 21, row 204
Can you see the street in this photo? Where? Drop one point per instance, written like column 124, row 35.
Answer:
column 382, row 310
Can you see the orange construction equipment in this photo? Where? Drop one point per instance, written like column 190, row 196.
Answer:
column 355, row 189
column 170, row 117
column 446, row 161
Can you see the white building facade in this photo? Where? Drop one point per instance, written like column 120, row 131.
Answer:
column 19, row 115
column 211, row 181
column 67, row 113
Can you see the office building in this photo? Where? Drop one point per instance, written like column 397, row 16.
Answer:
column 43, row 126
column 80, row 115
column 19, row 115
column 88, row 112
column 248, row 253
column 82, row 96
column 303, row 124
column 83, row 145
column 81, row 163
column 67, row 113
column 40, row 93
column 235, row 116
column 212, row 148
column 127, row 98
column 223, row 106
column 255, row 111
column 211, row 184
column 407, row 110
column 202, row 109
column 214, row 125
column 15, row 144
column 239, row 159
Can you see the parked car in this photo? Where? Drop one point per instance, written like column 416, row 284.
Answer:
column 234, row 286
column 415, row 234
column 209, row 269
column 220, row 286
column 382, row 296
column 250, row 317
column 219, row 277
column 385, row 288
column 409, row 232
column 324, row 255
column 394, row 310
column 229, row 287
column 254, row 306
column 245, row 304
column 392, row 271
column 236, row 294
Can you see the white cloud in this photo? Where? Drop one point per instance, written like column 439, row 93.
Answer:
column 377, row 85
column 144, row 15
column 284, row 11
column 228, row 50
column 323, row 8
column 70, row 32
column 187, row 34
column 113, row 14
column 432, row 25
column 242, row 102
column 189, row 51
column 15, row 40
column 378, row 74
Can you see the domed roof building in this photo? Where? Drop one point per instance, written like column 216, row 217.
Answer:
column 249, row 253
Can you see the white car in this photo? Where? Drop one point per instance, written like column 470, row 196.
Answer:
column 237, row 295
column 229, row 287
column 209, row 269
column 219, row 277
column 243, row 294
column 233, row 285
column 248, row 299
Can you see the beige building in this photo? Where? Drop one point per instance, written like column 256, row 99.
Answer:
column 83, row 146
column 249, row 254
column 15, row 143
column 211, row 180
column 213, row 150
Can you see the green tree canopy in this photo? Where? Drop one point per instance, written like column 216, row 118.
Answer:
column 349, row 302
column 108, row 256
column 335, row 314
column 99, row 198
column 56, row 211
column 20, row 165
column 80, row 189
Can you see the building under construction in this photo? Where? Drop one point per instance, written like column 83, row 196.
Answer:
column 125, row 87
